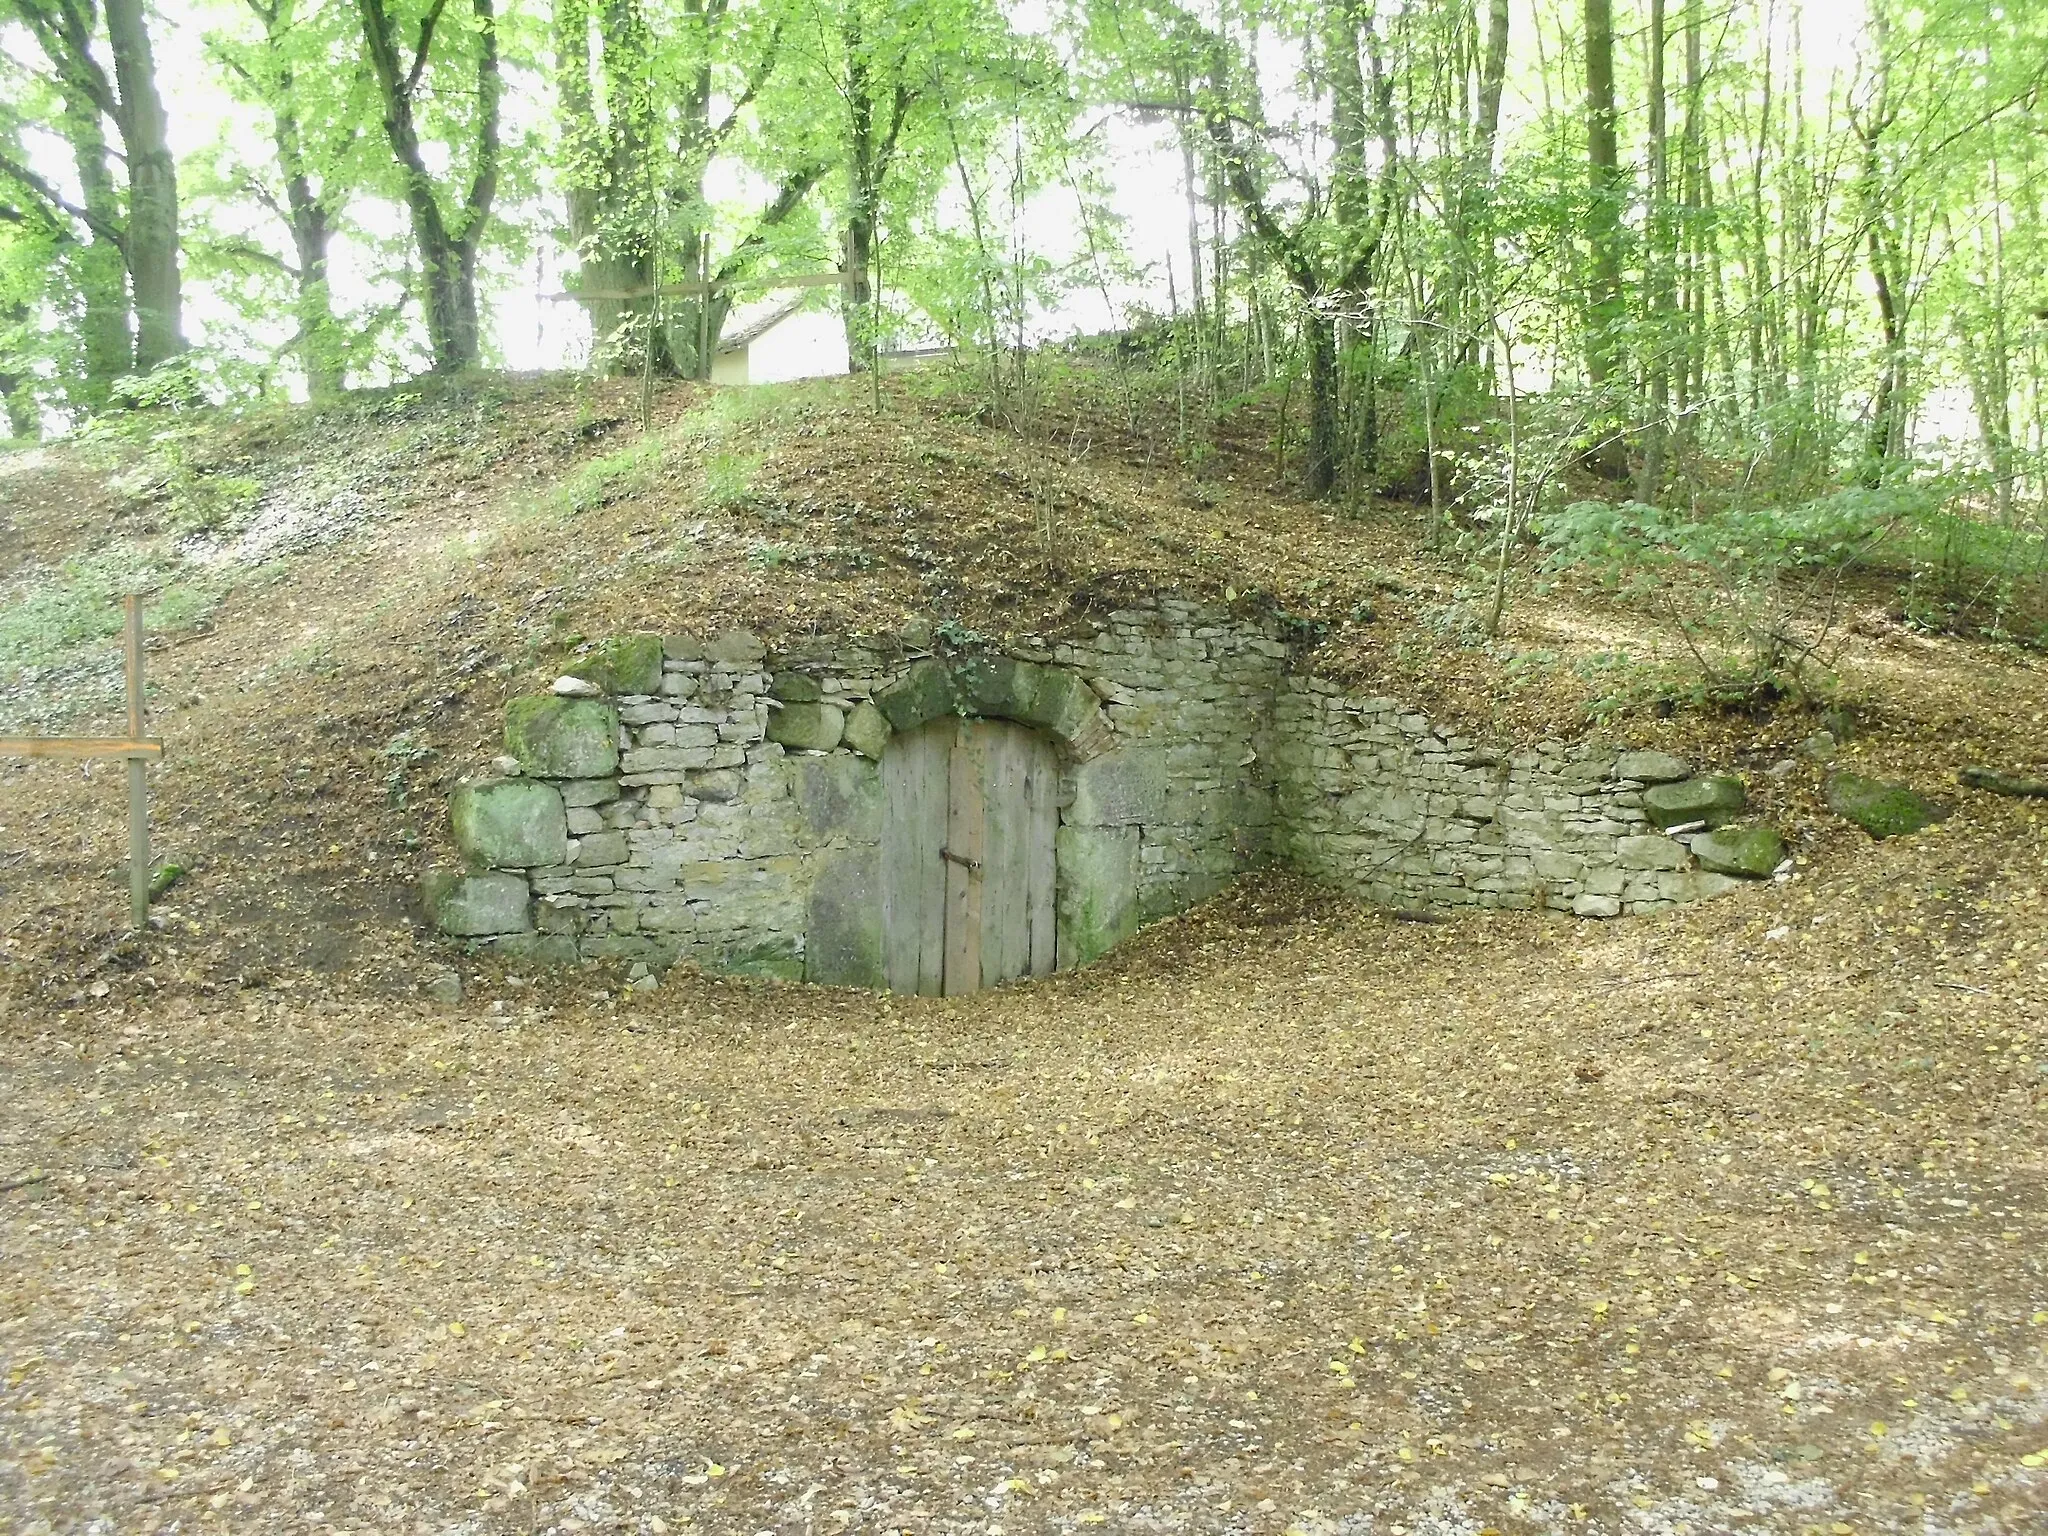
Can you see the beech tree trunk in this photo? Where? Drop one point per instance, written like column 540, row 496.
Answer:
column 1603, row 223
column 447, row 244
column 152, row 190
column 102, row 268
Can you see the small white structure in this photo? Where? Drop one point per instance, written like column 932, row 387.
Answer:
column 769, row 343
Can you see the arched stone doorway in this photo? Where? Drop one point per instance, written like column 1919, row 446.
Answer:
column 969, row 883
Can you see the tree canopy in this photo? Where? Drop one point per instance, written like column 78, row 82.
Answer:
column 1487, row 245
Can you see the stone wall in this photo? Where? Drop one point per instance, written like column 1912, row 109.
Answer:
column 1375, row 799
column 706, row 801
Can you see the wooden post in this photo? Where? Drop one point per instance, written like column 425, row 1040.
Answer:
column 138, row 777
column 135, row 747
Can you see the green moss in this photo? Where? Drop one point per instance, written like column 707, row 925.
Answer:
column 563, row 738
column 626, row 664
column 1880, row 808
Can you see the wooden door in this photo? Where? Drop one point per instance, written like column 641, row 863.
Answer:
column 970, row 810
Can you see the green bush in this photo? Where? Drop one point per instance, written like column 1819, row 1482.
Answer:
column 48, row 619
column 1754, row 591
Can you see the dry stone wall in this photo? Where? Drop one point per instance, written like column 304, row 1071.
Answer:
column 703, row 800
column 1374, row 798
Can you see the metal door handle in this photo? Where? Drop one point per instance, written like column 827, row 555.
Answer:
column 959, row 858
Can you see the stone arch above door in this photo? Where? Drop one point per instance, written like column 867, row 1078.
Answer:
column 1053, row 699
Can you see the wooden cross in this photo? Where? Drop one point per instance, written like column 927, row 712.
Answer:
column 135, row 747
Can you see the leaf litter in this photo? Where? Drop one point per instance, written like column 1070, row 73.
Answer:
column 1288, row 1218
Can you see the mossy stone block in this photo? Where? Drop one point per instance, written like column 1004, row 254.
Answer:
column 1751, row 851
column 1714, row 798
column 1097, row 906
column 474, row 906
column 807, row 727
column 776, row 959
column 563, row 738
column 510, row 824
column 999, row 686
column 843, row 930
column 1881, row 808
column 795, row 688
column 867, row 731
column 628, row 664
column 922, row 694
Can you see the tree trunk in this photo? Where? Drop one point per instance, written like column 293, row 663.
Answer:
column 16, row 397
column 152, row 190
column 1319, row 334
column 447, row 248
column 1662, row 300
column 1604, row 357
column 321, row 350
column 322, row 347
column 857, row 243
column 102, row 269
column 610, row 179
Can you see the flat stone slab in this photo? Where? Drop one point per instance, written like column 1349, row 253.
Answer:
column 1880, row 807
column 1750, row 851
column 1652, row 767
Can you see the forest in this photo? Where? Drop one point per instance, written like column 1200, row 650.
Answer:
column 1667, row 281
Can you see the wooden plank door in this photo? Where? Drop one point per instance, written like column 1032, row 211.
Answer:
column 971, row 809
column 914, row 797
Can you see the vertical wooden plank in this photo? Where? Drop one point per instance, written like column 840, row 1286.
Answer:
column 1005, row 950
column 899, row 898
column 965, row 845
column 138, row 776
column 913, row 877
column 1041, row 879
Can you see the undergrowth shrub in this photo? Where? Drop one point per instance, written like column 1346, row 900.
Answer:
column 49, row 617
column 1756, row 592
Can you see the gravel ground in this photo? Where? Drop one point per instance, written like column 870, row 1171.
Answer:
column 1288, row 1218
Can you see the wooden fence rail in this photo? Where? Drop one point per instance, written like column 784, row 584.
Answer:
column 138, row 749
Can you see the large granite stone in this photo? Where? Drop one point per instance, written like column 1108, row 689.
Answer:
column 1650, row 852
column 839, row 796
column 795, row 688
column 563, row 738
column 1751, row 851
column 867, row 731
column 738, row 648
column 843, row 936
column 1119, row 789
column 510, row 824
column 1880, row 807
column 1098, row 890
column 807, row 727
column 1714, row 798
column 474, row 906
